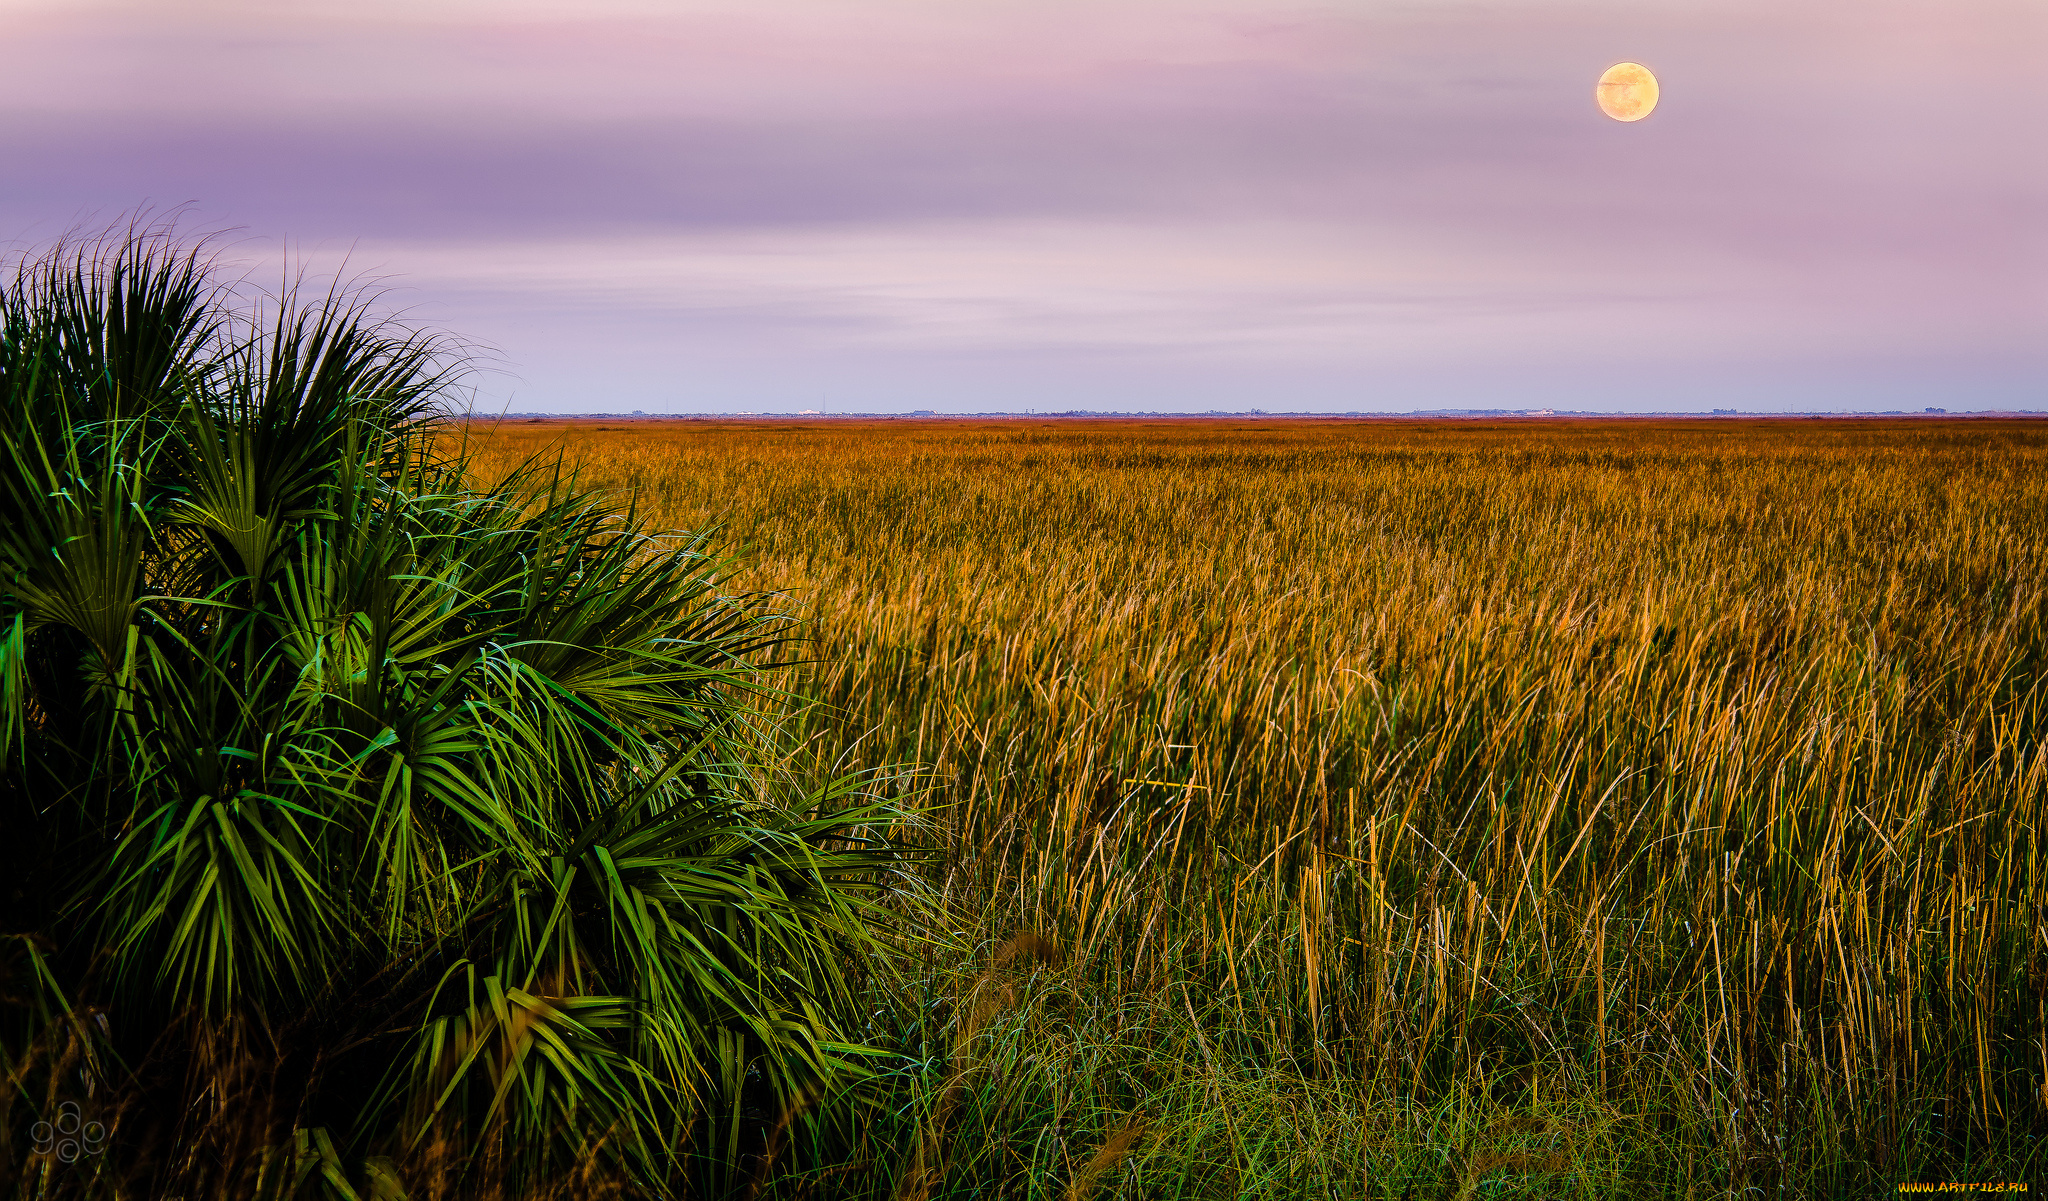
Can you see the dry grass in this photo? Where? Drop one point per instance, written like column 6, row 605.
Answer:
column 1677, row 785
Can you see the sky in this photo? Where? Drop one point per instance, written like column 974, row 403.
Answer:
column 1112, row 205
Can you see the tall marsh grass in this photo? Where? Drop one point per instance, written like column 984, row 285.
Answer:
column 1407, row 809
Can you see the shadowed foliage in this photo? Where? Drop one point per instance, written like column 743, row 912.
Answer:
column 365, row 827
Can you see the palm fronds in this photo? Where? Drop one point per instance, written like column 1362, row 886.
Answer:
column 445, row 812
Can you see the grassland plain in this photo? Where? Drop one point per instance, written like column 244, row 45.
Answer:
column 1403, row 809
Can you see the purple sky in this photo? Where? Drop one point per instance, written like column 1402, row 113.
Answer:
column 974, row 205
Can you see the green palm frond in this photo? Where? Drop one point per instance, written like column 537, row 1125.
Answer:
column 460, row 795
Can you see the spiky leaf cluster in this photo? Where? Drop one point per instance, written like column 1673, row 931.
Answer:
column 448, row 807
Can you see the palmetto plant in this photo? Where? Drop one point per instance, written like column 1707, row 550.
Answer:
column 362, row 825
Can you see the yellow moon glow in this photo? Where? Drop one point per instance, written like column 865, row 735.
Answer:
column 1627, row 92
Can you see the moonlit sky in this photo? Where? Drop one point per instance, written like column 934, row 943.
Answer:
column 979, row 205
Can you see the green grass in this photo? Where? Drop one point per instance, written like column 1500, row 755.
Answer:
column 1425, row 809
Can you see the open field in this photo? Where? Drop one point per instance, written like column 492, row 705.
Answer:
column 1424, row 808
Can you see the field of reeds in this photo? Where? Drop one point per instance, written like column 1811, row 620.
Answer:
column 1385, row 809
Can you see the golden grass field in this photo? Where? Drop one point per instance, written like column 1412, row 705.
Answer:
column 1540, row 808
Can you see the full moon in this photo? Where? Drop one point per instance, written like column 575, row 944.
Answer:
column 1627, row 92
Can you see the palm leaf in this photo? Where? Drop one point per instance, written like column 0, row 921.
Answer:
column 463, row 793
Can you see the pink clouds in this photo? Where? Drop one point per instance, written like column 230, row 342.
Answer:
column 1338, row 197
